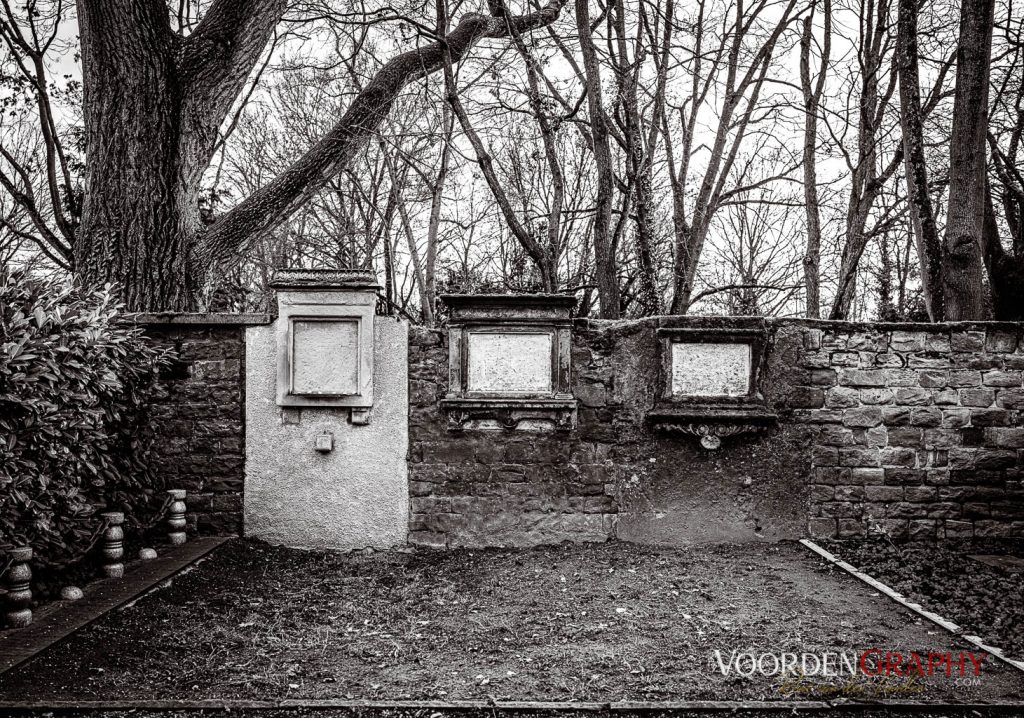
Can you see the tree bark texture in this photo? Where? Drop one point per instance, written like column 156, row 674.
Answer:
column 812, row 93
column 922, row 217
column 962, row 272
column 605, row 269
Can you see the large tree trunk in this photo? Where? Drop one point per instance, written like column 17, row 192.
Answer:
column 926, row 234
column 962, row 273
column 153, row 104
column 137, row 217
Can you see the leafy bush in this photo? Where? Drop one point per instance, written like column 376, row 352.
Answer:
column 74, row 389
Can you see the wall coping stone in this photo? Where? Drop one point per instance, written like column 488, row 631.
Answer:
column 199, row 318
column 329, row 279
column 739, row 321
column 504, row 307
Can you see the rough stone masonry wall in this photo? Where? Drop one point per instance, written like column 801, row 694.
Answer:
column 911, row 429
column 495, row 488
column 612, row 476
column 199, row 421
column 920, row 430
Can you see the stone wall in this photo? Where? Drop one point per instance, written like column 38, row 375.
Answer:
column 914, row 430
column 611, row 476
column 919, row 429
column 200, row 419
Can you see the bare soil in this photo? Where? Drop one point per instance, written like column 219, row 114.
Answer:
column 601, row 622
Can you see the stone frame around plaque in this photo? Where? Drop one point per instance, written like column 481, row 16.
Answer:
column 470, row 405
column 343, row 296
column 713, row 416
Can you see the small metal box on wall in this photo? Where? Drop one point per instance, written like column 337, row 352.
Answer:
column 325, row 339
column 510, row 361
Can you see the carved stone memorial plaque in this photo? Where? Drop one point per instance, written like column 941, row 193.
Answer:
column 509, row 363
column 710, row 369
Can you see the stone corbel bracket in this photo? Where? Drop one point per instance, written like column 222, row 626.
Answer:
column 711, row 428
column 463, row 413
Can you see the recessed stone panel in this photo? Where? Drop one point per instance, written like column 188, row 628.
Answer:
column 710, row 369
column 325, row 357
column 509, row 363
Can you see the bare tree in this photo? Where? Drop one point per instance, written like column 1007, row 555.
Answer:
column 868, row 173
column 922, row 216
column 605, row 273
column 745, row 70
column 156, row 95
column 812, row 92
column 962, row 262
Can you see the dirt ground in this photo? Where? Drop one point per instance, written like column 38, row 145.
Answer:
column 601, row 622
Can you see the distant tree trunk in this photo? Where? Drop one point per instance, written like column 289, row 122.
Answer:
column 868, row 178
column 812, row 99
column 605, row 271
column 434, row 223
column 627, row 75
column 963, row 288
column 922, row 217
column 1005, row 270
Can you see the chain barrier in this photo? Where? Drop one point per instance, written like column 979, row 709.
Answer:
column 103, row 525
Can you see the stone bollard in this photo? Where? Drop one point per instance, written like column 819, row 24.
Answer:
column 19, row 588
column 176, row 517
column 113, row 544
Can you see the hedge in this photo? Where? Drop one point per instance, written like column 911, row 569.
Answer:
column 75, row 383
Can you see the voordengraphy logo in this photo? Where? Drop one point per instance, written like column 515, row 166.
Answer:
column 872, row 662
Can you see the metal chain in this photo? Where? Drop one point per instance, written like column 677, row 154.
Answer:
column 64, row 563
column 158, row 515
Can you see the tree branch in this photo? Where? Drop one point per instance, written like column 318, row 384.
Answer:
column 272, row 204
column 214, row 63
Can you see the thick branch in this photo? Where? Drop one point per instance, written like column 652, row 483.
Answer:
column 269, row 206
column 214, row 63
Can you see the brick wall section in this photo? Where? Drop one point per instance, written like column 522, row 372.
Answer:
column 920, row 430
column 200, row 420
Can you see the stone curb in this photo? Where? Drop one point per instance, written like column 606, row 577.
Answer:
column 615, row 707
column 58, row 620
column 915, row 607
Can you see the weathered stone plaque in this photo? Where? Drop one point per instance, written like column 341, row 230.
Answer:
column 509, row 363
column 710, row 368
column 325, row 331
column 325, row 357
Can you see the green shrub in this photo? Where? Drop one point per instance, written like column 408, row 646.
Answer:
column 75, row 385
